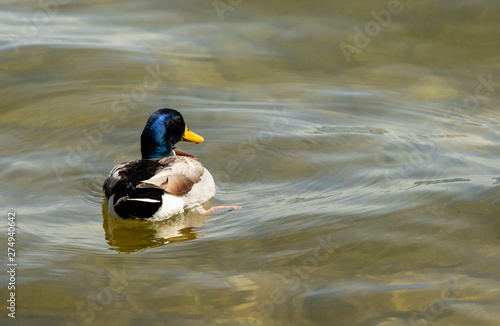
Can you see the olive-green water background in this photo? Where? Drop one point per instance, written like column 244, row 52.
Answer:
column 361, row 138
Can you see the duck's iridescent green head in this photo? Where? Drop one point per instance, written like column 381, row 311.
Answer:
column 164, row 129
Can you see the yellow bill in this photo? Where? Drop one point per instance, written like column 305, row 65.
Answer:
column 191, row 136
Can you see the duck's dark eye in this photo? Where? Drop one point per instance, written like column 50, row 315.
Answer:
column 177, row 119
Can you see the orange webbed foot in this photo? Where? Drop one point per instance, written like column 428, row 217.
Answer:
column 213, row 208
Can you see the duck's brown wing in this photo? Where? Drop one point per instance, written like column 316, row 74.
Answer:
column 176, row 175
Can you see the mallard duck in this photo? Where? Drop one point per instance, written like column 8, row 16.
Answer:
column 167, row 180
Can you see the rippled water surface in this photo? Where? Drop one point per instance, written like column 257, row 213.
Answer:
column 362, row 140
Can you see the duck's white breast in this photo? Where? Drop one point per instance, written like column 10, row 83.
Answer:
column 171, row 205
column 200, row 193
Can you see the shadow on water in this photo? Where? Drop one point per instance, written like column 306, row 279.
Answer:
column 128, row 236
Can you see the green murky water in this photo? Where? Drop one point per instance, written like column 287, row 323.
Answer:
column 362, row 140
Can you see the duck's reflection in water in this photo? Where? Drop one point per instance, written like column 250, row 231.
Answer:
column 128, row 236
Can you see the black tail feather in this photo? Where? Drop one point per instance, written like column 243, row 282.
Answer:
column 132, row 206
